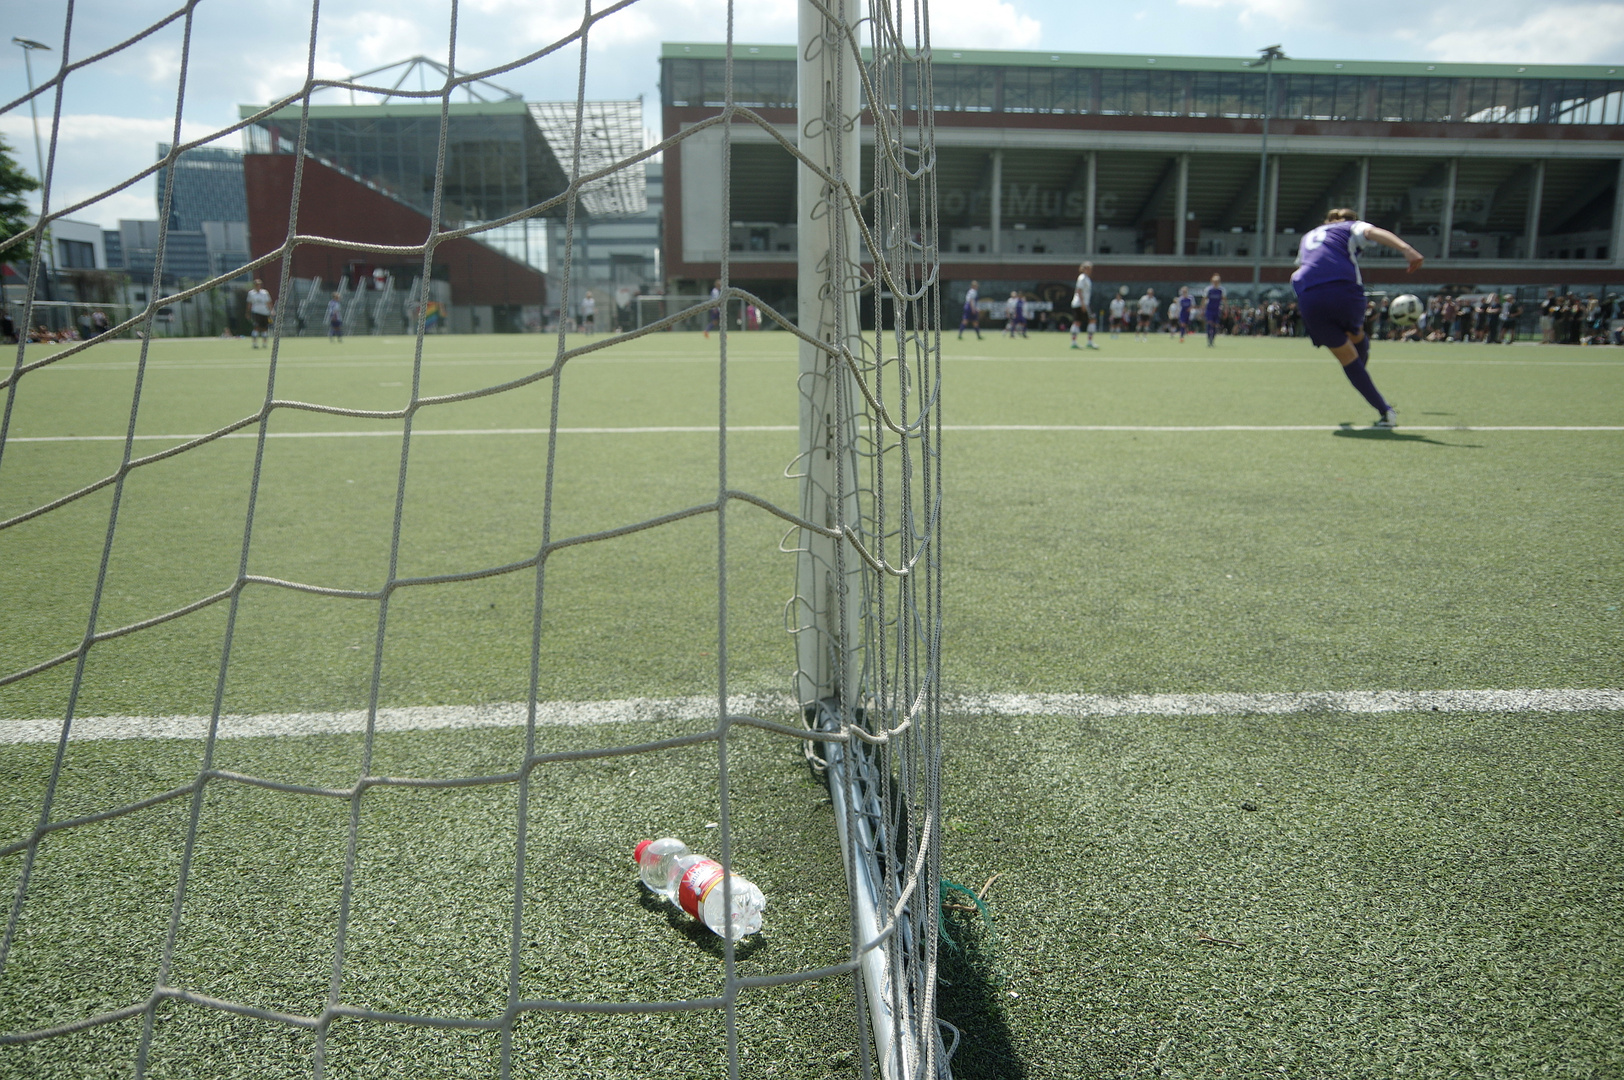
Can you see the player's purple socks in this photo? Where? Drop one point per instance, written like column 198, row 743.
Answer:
column 1360, row 378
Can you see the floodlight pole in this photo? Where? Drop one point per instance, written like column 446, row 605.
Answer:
column 28, row 48
column 1267, row 57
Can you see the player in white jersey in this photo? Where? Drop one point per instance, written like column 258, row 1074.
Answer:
column 260, row 307
column 1015, row 315
column 1082, row 314
column 971, row 315
column 1119, row 312
column 1147, row 314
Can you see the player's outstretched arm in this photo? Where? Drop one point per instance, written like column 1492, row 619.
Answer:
column 1397, row 243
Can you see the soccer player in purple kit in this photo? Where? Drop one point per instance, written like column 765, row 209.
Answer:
column 1215, row 308
column 1331, row 296
column 1186, row 307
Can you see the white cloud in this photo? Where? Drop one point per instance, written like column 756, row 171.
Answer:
column 532, row 24
column 985, row 24
column 976, row 24
column 1251, row 13
column 1583, row 33
column 93, row 153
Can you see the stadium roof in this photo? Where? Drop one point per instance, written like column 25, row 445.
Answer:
column 611, row 131
column 1130, row 61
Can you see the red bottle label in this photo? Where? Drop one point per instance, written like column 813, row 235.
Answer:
column 697, row 883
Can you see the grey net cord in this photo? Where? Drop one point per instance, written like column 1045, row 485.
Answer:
column 885, row 741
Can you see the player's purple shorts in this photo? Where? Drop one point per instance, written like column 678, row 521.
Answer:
column 1332, row 311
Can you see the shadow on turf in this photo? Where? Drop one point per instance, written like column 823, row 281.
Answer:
column 970, row 996
column 1348, row 431
column 694, row 930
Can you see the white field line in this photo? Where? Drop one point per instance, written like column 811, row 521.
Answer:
column 1305, row 358
column 632, row 710
column 785, row 428
column 634, row 353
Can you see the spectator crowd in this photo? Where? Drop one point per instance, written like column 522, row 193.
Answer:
column 1482, row 317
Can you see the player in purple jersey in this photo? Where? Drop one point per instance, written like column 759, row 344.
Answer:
column 1215, row 308
column 1331, row 296
column 1186, row 308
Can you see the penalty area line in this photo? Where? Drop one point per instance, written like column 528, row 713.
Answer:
column 703, row 709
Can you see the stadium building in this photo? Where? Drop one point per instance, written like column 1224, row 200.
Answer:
column 369, row 177
column 1152, row 166
column 208, row 221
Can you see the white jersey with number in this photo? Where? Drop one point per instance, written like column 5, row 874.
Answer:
column 259, row 301
column 1119, row 307
column 1147, row 305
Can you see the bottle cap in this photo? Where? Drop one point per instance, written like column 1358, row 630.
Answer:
column 637, row 855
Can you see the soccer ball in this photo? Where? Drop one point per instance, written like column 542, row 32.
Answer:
column 1405, row 310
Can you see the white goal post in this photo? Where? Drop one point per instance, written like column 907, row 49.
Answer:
column 867, row 607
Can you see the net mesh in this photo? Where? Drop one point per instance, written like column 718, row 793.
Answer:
column 872, row 527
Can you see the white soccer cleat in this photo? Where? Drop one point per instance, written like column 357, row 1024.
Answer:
column 1389, row 419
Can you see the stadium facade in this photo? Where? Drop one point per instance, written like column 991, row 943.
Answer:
column 1505, row 175
column 373, row 167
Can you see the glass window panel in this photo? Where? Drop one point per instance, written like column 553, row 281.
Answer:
column 1164, row 93
column 1071, row 91
column 1293, row 94
column 1136, row 92
column 963, row 88
column 1113, row 92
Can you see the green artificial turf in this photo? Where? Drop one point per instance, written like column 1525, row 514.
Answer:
column 430, row 922
column 1402, row 895
column 1425, row 894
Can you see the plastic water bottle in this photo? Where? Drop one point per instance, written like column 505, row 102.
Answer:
column 694, row 883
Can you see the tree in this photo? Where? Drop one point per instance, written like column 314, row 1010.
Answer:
column 14, row 184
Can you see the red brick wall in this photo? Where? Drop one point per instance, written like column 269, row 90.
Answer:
column 333, row 205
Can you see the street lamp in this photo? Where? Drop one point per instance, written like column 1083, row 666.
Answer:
column 1266, row 58
column 28, row 48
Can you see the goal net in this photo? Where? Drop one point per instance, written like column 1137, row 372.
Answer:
column 453, row 922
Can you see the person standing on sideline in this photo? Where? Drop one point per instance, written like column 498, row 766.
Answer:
column 1215, row 308
column 1082, row 315
column 1331, row 296
column 1015, row 316
column 971, row 314
column 1186, row 309
column 335, row 320
column 1510, row 320
column 1119, row 312
column 713, row 317
column 1147, row 312
column 259, row 314
column 589, row 314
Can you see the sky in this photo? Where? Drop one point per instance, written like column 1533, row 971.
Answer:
column 116, row 111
